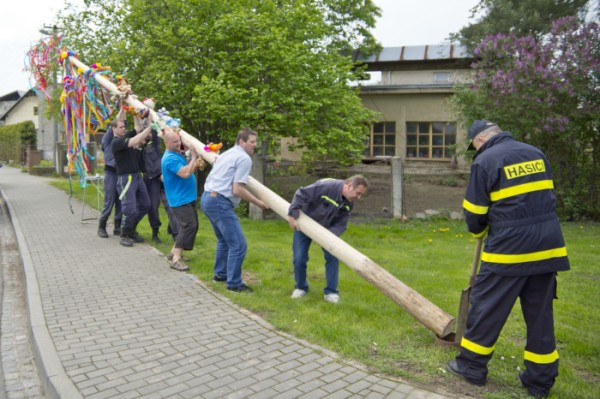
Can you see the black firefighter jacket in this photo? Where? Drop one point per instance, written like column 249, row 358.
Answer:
column 511, row 192
column 323, row 202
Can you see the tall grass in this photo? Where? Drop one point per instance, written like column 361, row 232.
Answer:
column 432, row 257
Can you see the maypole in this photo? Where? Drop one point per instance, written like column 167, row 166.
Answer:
column 432, row 317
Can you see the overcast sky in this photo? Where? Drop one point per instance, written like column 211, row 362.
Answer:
column 403, row 23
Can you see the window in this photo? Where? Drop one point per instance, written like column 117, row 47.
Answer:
column 441, row 77
column 382, row 141
column 430, row 140
column 35, row 110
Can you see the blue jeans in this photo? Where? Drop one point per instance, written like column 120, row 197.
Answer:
column 111, row 198
column 300, row 247
column 231, row 243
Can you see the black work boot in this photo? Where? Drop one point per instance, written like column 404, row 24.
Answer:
column 102, row 229
column 117, row 229
column 125, row 239
column 135, row 237
column 155, row 237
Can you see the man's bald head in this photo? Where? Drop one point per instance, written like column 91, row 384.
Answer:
column 172, row 140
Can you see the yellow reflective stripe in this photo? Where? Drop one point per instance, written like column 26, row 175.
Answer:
column 326, row 198
column 520, row 258
column 478, row 209
column 521, row 189
column 473, row 347
column 541, row 359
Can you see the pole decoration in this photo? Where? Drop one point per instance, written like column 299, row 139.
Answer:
column 41, row 61
column 86, row 107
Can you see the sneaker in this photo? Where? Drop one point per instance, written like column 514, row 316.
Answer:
column 102, row 232
column 332, row 298
column 170, row 257
column 219, row 279
column 452, row 367
column 136, row 237
column 116, row 231
column 179, row 266
column 241, row 288
column 298, row 293
column 126, row 241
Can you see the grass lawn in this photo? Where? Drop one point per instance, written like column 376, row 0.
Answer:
column 432, row 257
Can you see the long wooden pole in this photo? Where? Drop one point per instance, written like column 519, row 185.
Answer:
column 431, row 316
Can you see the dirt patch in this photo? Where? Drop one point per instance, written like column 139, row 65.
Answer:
column 421, row 192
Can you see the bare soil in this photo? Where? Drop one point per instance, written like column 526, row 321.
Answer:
column 442, row 193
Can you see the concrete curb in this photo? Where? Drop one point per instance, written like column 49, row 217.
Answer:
column 56, row 382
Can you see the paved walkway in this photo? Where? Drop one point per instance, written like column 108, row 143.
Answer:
column 114, row 322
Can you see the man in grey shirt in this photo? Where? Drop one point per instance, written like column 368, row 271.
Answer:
column 225, row 187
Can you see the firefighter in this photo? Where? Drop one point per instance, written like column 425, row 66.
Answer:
column 510, row 199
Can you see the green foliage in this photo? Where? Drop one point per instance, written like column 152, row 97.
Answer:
column 12, row 137
column 275, row 66
column 532, row 17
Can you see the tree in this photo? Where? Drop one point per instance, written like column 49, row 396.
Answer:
column 547, row 93
column 276, row 66
column 520, row 17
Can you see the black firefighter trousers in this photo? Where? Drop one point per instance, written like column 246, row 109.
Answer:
column 492, row 299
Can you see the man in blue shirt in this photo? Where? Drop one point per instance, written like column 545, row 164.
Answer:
column 180, row 187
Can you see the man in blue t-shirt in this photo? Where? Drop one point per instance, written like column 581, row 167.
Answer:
column 180, row 187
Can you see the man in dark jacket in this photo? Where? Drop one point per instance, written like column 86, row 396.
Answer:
column 329, row 202
column 130, row 185
column 510, row 198
column 110, row 187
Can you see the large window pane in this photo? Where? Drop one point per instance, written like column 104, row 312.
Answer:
column 430, row 140
column 437, row 139
column 382, row 140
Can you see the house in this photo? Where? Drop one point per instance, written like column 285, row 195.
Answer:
column 409, row 87
column 7, row 101
column 17, row 107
